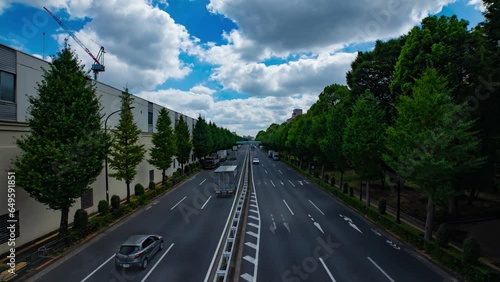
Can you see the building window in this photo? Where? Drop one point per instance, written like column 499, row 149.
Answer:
column 87, row 199
column 152, row 175
column 173, row 163
column 150, row 118
column 6, row 222
column 7, row 82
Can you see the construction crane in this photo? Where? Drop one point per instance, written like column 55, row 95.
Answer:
column 97, row 66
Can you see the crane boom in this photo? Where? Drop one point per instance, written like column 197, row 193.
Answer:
column 97, row 67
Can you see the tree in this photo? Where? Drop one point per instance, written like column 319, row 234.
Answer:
column 374, row 71
column 202, row 140
column 363, row 141
column 333, row 103
column 126, row 153
column 64, row 152
column 164, row 144
column 441, row 43
column 183, row 140
column 430, row 141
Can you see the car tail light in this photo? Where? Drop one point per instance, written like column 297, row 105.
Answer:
column 138, row 255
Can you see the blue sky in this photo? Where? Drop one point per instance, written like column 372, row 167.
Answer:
column 241, row 64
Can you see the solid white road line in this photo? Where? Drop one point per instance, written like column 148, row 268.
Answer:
column 178, row 203
column 156, row 264
column 288, row 207
column 316, row 207
column 381, row 270
column 206, row 202
column 88, row 276
column 272, row 183
column 203, row 181
column 327, row 270
column 291, row 183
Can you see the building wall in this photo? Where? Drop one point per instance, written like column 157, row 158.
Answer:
column 35, row 219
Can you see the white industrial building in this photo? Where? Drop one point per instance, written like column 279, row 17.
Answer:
column 19, row 74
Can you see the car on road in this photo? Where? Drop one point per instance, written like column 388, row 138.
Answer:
column 138, row 250
column 255, row 161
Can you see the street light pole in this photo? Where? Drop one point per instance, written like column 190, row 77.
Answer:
column 106, row 161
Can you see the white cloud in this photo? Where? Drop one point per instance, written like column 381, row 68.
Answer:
column 198, row 100
column 285, row 26
column 142, row 43
column 478, row 5
column 303, row 76
column 244, row 116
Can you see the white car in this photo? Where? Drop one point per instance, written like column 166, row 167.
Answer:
column 255, row 161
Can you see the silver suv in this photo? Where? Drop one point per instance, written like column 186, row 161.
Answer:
column 137, row 250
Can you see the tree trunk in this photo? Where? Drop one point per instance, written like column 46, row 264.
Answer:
column 368, row 193
column 361, row 191
column 341, row 183
column 429, row 220
column 453, row 206
column 163, row 177
column 471, row 197
column 128, row 192
column 322, row 171
column 382, row 180
column 63, row 227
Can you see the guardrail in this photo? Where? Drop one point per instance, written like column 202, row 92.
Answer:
column 222, row 272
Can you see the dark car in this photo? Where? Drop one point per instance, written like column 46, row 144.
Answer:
column 138, row 250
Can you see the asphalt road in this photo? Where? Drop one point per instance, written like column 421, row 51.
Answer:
column 190, row 223
column 307, row 235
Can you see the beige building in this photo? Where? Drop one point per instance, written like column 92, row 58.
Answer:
column 19, row 74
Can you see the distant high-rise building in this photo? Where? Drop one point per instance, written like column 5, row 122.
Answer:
column 295, row 113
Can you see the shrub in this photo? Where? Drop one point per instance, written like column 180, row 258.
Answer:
column 139, row 189
column 187, row 169
column 103, row 207
column 472, row 250
column 134, row 203
column 143, row 200
column 125, row 209
column 351, row 192
column 382, row 206
column 99, row 222
column 80, row 220
column 442, row 236
column 115, row 202
column 152, row 185
column 326, row 178
column 150, row 194
column 345, row 187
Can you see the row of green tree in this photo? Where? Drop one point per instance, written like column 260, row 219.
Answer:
column 65, row 150
column 423, row 106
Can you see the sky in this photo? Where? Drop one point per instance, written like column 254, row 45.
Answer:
column 240, row 64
